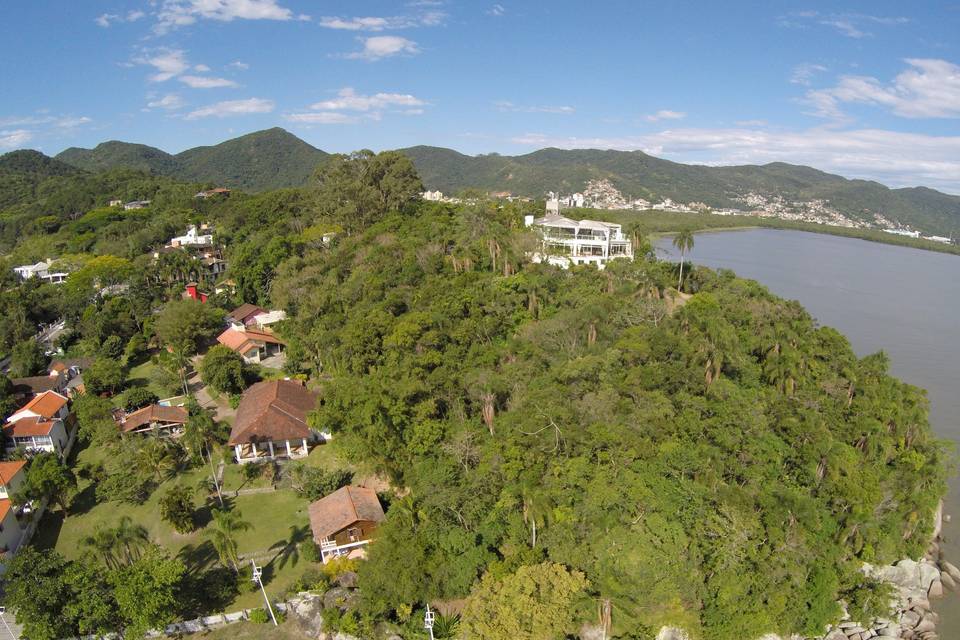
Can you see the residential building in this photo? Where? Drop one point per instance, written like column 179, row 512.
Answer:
column 153, row 419
column 26, row 388
column 48, row 405
column 192, row 238
column 273, row 316
column 37, row 434
column 245, row 314
column 271, row 422
column 345, row 521
column 569, row 242
column 115, row 203
column 11, row 533
column 136, row 204
column 42, row 270
column 192, row 290
column 432, row 196
column 71, row 367
column 12, row 475
column 253, row 345
column 209, row 193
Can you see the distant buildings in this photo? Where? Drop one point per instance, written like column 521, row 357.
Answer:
column 192, row 238
column 209, row 193
column 569, row 242
column 432, row 196
column 42, row 270
column 136, row 204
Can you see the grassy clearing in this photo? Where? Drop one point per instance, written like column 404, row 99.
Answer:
column 149, row 375
column 253, row 631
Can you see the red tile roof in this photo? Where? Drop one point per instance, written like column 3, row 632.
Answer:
column 242, row 340
column 26, row 427
column 273, row 410
column 342, row 508
column 46, row 405
column 9, row 469
column 5, row 506
column 153, row 413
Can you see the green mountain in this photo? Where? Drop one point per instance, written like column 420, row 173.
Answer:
column 22, row 173
column 275, row 158
column 637, row 174
column 259, row 161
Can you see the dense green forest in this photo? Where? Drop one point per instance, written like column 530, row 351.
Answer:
column 711, row 458
column 275, row 158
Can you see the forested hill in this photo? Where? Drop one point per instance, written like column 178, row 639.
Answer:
column 275, row 158
column 637, row 174
column 259, row 161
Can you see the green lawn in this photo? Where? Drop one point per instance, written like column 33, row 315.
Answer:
column 273, row 517
column 146, row 375
column 253, row 631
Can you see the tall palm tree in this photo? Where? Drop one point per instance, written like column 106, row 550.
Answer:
column 683, row 242
column 103, row 541
column 198, row 436
column 226, row 525
column 132, row 537
column 156, row 455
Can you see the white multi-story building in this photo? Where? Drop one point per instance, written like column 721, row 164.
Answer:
column 193, row 238
column 41, row 270
column 571, row 242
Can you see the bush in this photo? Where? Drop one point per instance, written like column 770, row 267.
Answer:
column 176, row 508
column 124, row 486
column 259, row 616
column 313, row 483
column 223, row 370
column 309, row 551
column 112, row 347
column 138, row 397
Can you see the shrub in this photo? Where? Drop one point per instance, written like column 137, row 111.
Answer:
column 176, row 508
column 222, row 369
column 138, row 397
column 124, row 486
column 309, row 551
column 313, row 483
column 259, row 616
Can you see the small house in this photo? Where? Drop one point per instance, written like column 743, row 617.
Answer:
column 12, row 475
column 37, row 434
column 11, row 533
column 155, row 418
column 246, row 314
column 345, row 521
column 253, row 345
column 48, row 405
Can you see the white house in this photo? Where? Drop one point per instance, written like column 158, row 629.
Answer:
column 569, row 242
column 192, row 238
column 136, row 204
column 12, row 475
column 40, row 425
column 41, row 270
column 11, row 533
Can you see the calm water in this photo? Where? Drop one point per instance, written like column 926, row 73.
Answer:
column 904, row 301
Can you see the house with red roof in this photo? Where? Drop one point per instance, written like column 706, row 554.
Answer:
column 11, row 533
column 271, row 422
column 154, row 418
column 345, row 521
column 253, row 345
column 12, row 475
column 40, row 425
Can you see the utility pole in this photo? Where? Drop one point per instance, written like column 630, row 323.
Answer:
column 428, row 621
column 258, row 578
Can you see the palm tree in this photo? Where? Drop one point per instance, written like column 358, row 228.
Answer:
column 198, row 435
column 536, row 509
column 223, row 536
column 683, row 242
column 103, row 541
column 132, row 537
column 157, row 456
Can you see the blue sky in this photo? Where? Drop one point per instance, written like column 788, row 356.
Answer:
column 862, row 89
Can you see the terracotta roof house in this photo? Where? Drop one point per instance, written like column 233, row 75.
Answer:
column 48, row 405
column 344, row 521
column 70, row 366
column 37, row 434
column 24, row 388
column 271, row 422
column 253, row 345
column 11, row 476
column 245, row 313
column 154, row 418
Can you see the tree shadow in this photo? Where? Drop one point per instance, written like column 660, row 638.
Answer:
column 84, row 500
column 288, row 550
column 197, row 557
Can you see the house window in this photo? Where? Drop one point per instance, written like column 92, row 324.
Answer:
column 43, row 441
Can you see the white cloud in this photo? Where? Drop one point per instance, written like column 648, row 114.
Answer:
column 170, row 102
column 13, row 139
column 107, row 19
column 803, row 73
column 891, row 157
column 201, row 68
column 497, row 10
column 929, row 88
column 358, row 107
column 322, row 117
column 242, row 66
column 169, row 63
column 506, row 106
column 851, row 25
column 665, row 114
column 383, row 23
column 206, row 82
column 349, row 100
column 178, row 13
column 379, row 47
column 64, row 122
column 232, row 108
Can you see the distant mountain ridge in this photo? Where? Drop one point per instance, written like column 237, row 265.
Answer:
column 275, row 158
column 259, row 161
